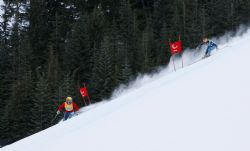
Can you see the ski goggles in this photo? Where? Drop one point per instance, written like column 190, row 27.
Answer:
column 68, row 102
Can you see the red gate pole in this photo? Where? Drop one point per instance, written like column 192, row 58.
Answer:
column 182, row 61
column 87, row 93
column 89, row 99
column 83, row 98
column 174, row 63
column 79, row 88
column 169, row 41
column 182, row 53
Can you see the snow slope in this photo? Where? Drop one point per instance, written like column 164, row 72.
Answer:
column 203, row 107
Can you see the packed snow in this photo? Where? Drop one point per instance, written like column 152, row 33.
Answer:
column 202, row 107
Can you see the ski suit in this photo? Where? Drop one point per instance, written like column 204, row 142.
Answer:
column 210, row 46
column 69, row 109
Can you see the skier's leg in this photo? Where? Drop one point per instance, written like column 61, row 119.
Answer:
column 66, row 115
column 206, row 53
column 71, row 114
column 212, row 49
column 209, row 50
column 209, row 53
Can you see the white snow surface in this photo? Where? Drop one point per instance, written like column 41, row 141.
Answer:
column 202, row 107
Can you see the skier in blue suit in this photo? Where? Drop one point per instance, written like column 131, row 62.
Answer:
column 210, row 46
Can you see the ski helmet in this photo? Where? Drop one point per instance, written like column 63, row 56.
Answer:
column 69, row 99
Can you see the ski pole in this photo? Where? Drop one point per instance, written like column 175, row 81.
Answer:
column 54, row 118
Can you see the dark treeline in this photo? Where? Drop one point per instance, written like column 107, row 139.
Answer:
column 48, row 48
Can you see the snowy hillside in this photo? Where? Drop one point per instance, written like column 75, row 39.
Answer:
column 203, row 107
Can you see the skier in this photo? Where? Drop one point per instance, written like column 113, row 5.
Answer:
column 210, row 46
column 70, row 108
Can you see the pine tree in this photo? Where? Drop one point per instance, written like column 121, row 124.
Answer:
column 96, row 27
column 135, row 45
column 20, row 100
column 25, row 86
column 5, row 75
column 125, row 74
column 39, row 109
column 162, row 49
column 103, row 71
column 115, row 37
column 67, row 86
column 146, row 48
column 193, row 21
column 14, row 103
column 5, row 29
column 39, row 31
column 53, row 80
column 78, row 51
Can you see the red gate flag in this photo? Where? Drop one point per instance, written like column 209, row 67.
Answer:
column 84, row 92
column 175, row 47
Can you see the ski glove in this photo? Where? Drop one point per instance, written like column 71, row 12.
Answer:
column 58, row 112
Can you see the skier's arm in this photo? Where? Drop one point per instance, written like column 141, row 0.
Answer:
column 61, row 107
column 216, row 46
column 207, row 51
column 75, row 107
column 200, row 45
